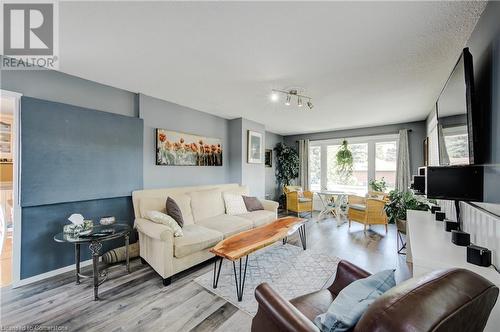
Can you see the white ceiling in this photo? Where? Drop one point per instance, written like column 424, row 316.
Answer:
column 364, row 63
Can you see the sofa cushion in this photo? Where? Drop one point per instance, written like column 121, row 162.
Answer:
column 174, row 211
column 234, row 204
column 164, row 219
column 353, row 300
column 313, row 304
column 304, row 200
column 226, row 224
column 158, row 204
column 196, row 238
column 207, row 204
column 259, row 217
column 252, row 203
column 359, row 207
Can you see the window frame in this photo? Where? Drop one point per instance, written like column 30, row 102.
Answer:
column 370, row 140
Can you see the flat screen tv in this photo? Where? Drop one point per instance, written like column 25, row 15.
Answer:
column 459, row 120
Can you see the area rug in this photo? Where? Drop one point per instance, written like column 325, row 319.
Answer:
column 289, row 269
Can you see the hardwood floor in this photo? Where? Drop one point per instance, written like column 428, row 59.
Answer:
column 139, row 302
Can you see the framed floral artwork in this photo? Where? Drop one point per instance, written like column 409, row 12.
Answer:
column 180, row 149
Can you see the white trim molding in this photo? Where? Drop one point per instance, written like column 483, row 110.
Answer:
column 38, row 277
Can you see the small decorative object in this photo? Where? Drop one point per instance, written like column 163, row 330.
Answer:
column 345, row 163
column 254, row 147
column 78, row 226
column 268, row 158
column 179, row 149
column 108, row 220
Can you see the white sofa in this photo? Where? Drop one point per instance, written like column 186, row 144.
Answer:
column 205, row 224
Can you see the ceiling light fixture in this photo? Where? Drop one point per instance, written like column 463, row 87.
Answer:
column 292, row 93
column 275, row 96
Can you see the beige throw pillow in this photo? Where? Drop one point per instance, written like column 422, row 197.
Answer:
column 161, row 218
column 234, row 204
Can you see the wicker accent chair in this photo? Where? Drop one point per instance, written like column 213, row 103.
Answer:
column 298, row 204
column 367, row 211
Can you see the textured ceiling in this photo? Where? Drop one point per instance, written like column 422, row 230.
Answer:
column 364, row 63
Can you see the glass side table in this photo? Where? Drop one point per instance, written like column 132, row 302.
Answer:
column 95, row 239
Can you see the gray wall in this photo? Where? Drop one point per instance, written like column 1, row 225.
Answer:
column 272, row 190
column 252, row 174
column 416, row 138
column 64, row 88
column 241, row 171
column 235, row 150
column 158, row 113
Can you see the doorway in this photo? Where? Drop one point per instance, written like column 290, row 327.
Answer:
column 9, row 203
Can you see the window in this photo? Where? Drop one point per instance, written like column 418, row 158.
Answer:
column 358, row 181
column 385, row 163
column 374, row 158
column 457, row 145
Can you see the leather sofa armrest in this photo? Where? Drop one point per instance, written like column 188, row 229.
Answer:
column 269, row 205
column 154, row 230
column 277, row 314
column 346, row 274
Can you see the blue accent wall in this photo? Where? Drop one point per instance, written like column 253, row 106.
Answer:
column 40, row 253
column 71, row 153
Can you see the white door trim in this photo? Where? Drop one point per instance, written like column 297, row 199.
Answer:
column 16, row 185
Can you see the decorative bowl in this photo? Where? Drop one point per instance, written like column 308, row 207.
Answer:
column 108, row 220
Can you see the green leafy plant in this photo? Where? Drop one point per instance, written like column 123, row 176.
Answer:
column 287, row 164
column 378, row 185
column 400, row 201
column 345, row 162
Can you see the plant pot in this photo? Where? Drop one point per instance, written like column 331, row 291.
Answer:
column 401, row 225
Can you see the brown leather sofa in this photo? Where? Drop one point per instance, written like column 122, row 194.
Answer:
column 448, row 300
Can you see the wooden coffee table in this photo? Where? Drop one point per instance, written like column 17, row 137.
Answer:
column 239, row 246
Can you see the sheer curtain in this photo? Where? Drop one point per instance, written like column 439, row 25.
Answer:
column 304, row 164
column 403, row 162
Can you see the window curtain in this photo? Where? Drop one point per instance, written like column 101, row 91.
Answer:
column 304, row 164
column 444, row 158
column 403, row 162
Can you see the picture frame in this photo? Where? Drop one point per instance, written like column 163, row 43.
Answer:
column 175, row 148
column 268, row 158
column 255, row 153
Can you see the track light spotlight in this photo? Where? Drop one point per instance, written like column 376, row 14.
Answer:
column 274, row 96
column 288, row 98
column 310, row 104
column 299, row 101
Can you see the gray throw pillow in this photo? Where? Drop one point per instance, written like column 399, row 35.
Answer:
column 252, row 203
column 353, row 300
column 174, row 211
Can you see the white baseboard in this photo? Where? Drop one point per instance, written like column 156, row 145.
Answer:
column 30, row 280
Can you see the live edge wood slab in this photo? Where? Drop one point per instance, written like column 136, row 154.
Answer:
column 244, row 243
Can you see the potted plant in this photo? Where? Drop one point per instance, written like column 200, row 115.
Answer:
column 287, row 166
column 345, row 162
column 378, row 185
column 399, row 203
